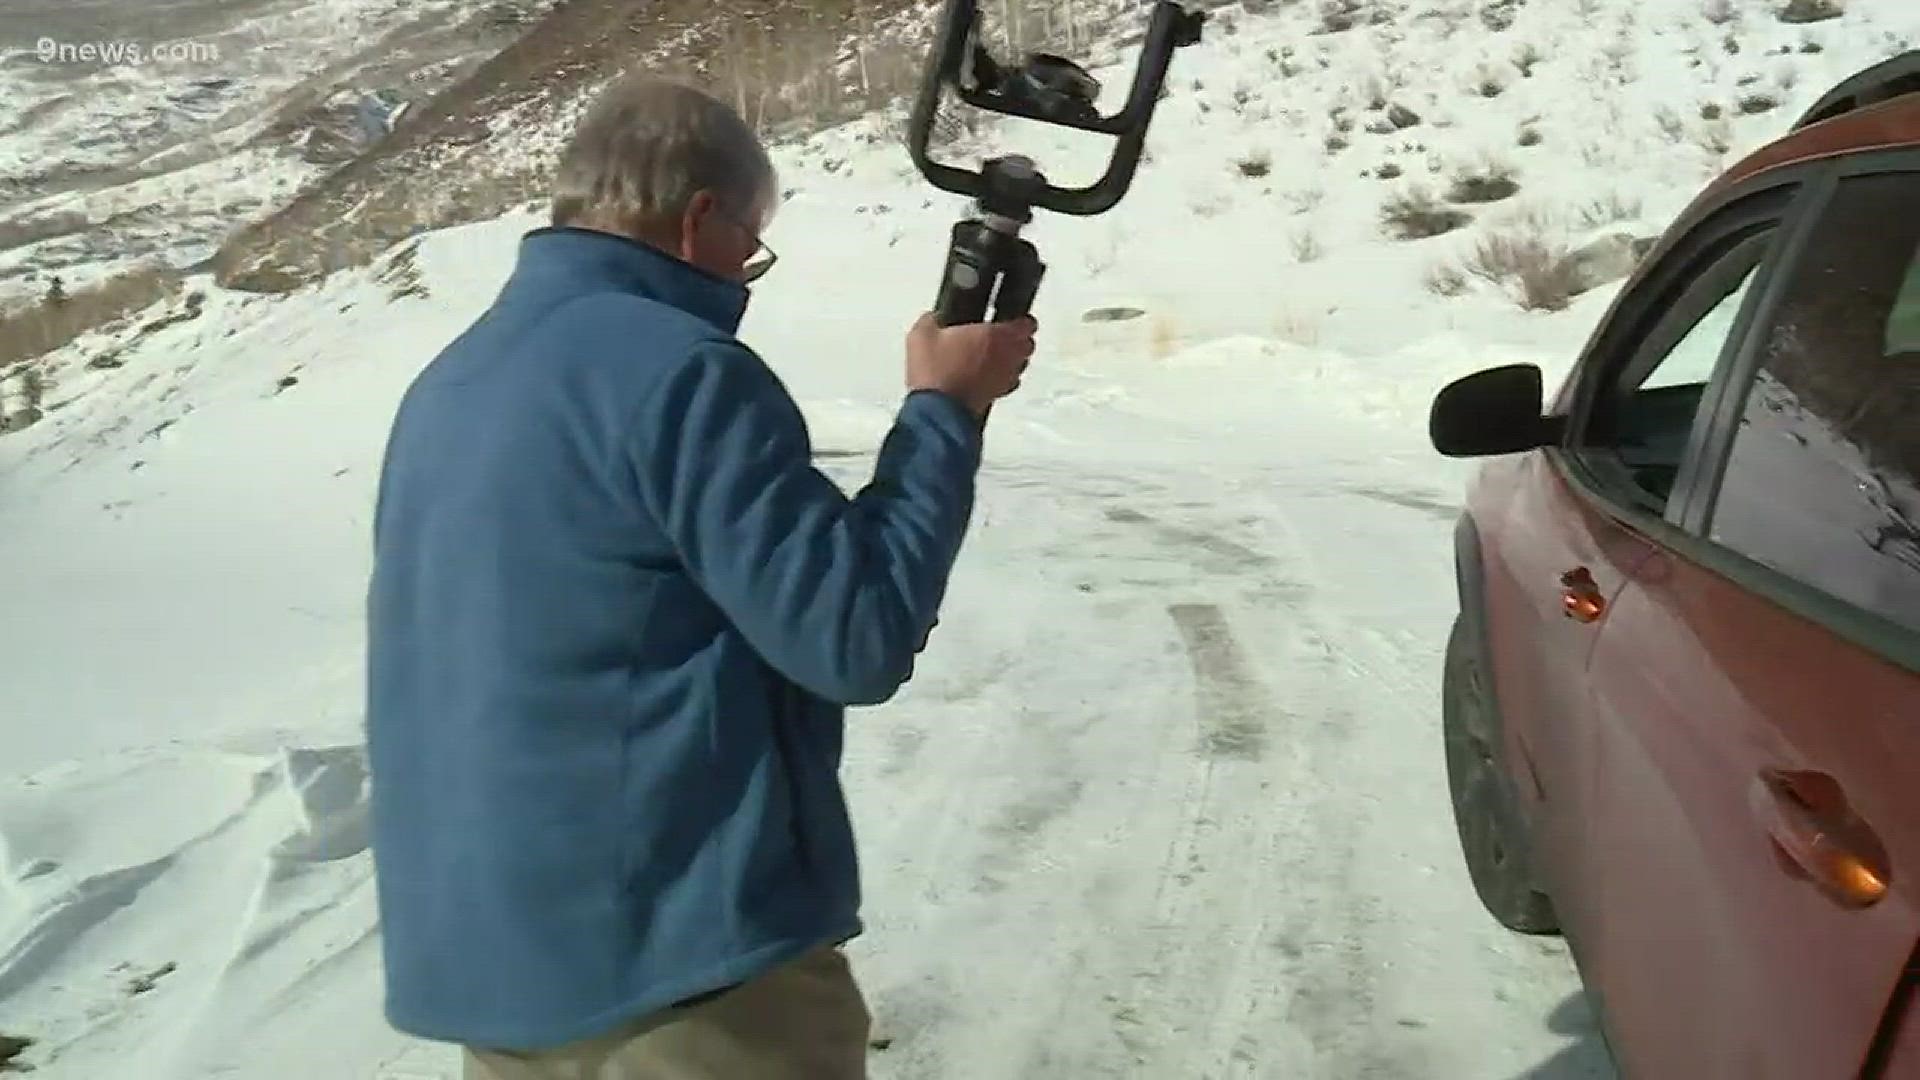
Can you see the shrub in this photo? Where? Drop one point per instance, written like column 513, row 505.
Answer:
column 48, row 325
column 1376, row 93
column 1306, row 246
column 1539, row 274
column 1609, row 209
column 1414, row 214
column 1671, row 125
column 1548, row 286
column 1446, row 280
column 1337, row 16
column 1488, row 182
column 1499, row 15
column 1809, row 11
column 1257, row 164
column 1715, row 138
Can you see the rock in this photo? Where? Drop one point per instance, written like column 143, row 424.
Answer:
column 11, row 1047
column 143, row 983
column 21, row 420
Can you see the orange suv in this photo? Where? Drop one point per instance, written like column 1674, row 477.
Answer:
column 1682, row 697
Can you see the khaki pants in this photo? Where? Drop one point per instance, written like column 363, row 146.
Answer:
column 804, row 1020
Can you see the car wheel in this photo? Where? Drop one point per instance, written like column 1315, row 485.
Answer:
column 1492, row 835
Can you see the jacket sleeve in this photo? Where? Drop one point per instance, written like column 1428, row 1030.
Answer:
column 837, row 594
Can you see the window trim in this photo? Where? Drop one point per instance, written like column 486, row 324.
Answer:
column 1637, row 313
column 1695, row 496
column 1668, row 329
column 1777, row 199
column 1725, row 398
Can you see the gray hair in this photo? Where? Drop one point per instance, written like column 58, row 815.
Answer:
column 646, row 147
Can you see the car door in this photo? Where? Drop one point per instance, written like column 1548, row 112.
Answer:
column 1564, row 542
column 1754, row 803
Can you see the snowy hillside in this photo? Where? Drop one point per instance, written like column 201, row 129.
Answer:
column 146, row 130
column 1166, row 797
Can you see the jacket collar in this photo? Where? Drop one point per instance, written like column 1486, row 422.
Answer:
column 578, row 259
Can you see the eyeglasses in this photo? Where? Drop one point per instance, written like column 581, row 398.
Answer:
column 763, row 257
column 758, row 263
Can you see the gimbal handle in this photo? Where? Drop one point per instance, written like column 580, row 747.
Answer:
column 988, row 264
column 987, row 267
column 1172, row 27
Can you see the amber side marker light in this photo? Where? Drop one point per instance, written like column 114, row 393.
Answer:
column 1580, row 599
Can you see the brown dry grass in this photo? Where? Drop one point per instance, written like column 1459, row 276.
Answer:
column 1413, row 213
column 1162, row 336
column 1539, row 272
column 47, row 326
column 772, row 59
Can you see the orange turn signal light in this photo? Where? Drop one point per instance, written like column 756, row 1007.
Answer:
column 1848, row 876
column 1583, row 606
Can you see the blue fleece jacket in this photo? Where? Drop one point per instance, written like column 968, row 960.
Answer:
column 615, row 614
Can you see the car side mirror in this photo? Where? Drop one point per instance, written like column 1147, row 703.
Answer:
column 1496, row 411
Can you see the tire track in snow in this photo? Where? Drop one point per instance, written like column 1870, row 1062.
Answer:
column 1309, row 978
column 1450, row 970
column 1162, row 731
column 1231, row 704
column 1194, row 985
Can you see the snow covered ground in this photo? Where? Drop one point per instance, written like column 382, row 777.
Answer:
column 1166, row 797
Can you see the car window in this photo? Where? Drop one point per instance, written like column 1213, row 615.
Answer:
column 1643, row 424
column 1823, row 478
column 1692, row 359
column 1903, row 325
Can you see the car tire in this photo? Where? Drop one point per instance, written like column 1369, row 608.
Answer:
column 1486, row 814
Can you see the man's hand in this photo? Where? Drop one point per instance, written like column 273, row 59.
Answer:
column 978, row 363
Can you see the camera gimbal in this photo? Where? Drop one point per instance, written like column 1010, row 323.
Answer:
column 988, row 263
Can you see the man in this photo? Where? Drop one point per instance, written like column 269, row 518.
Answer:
column 614, row 619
